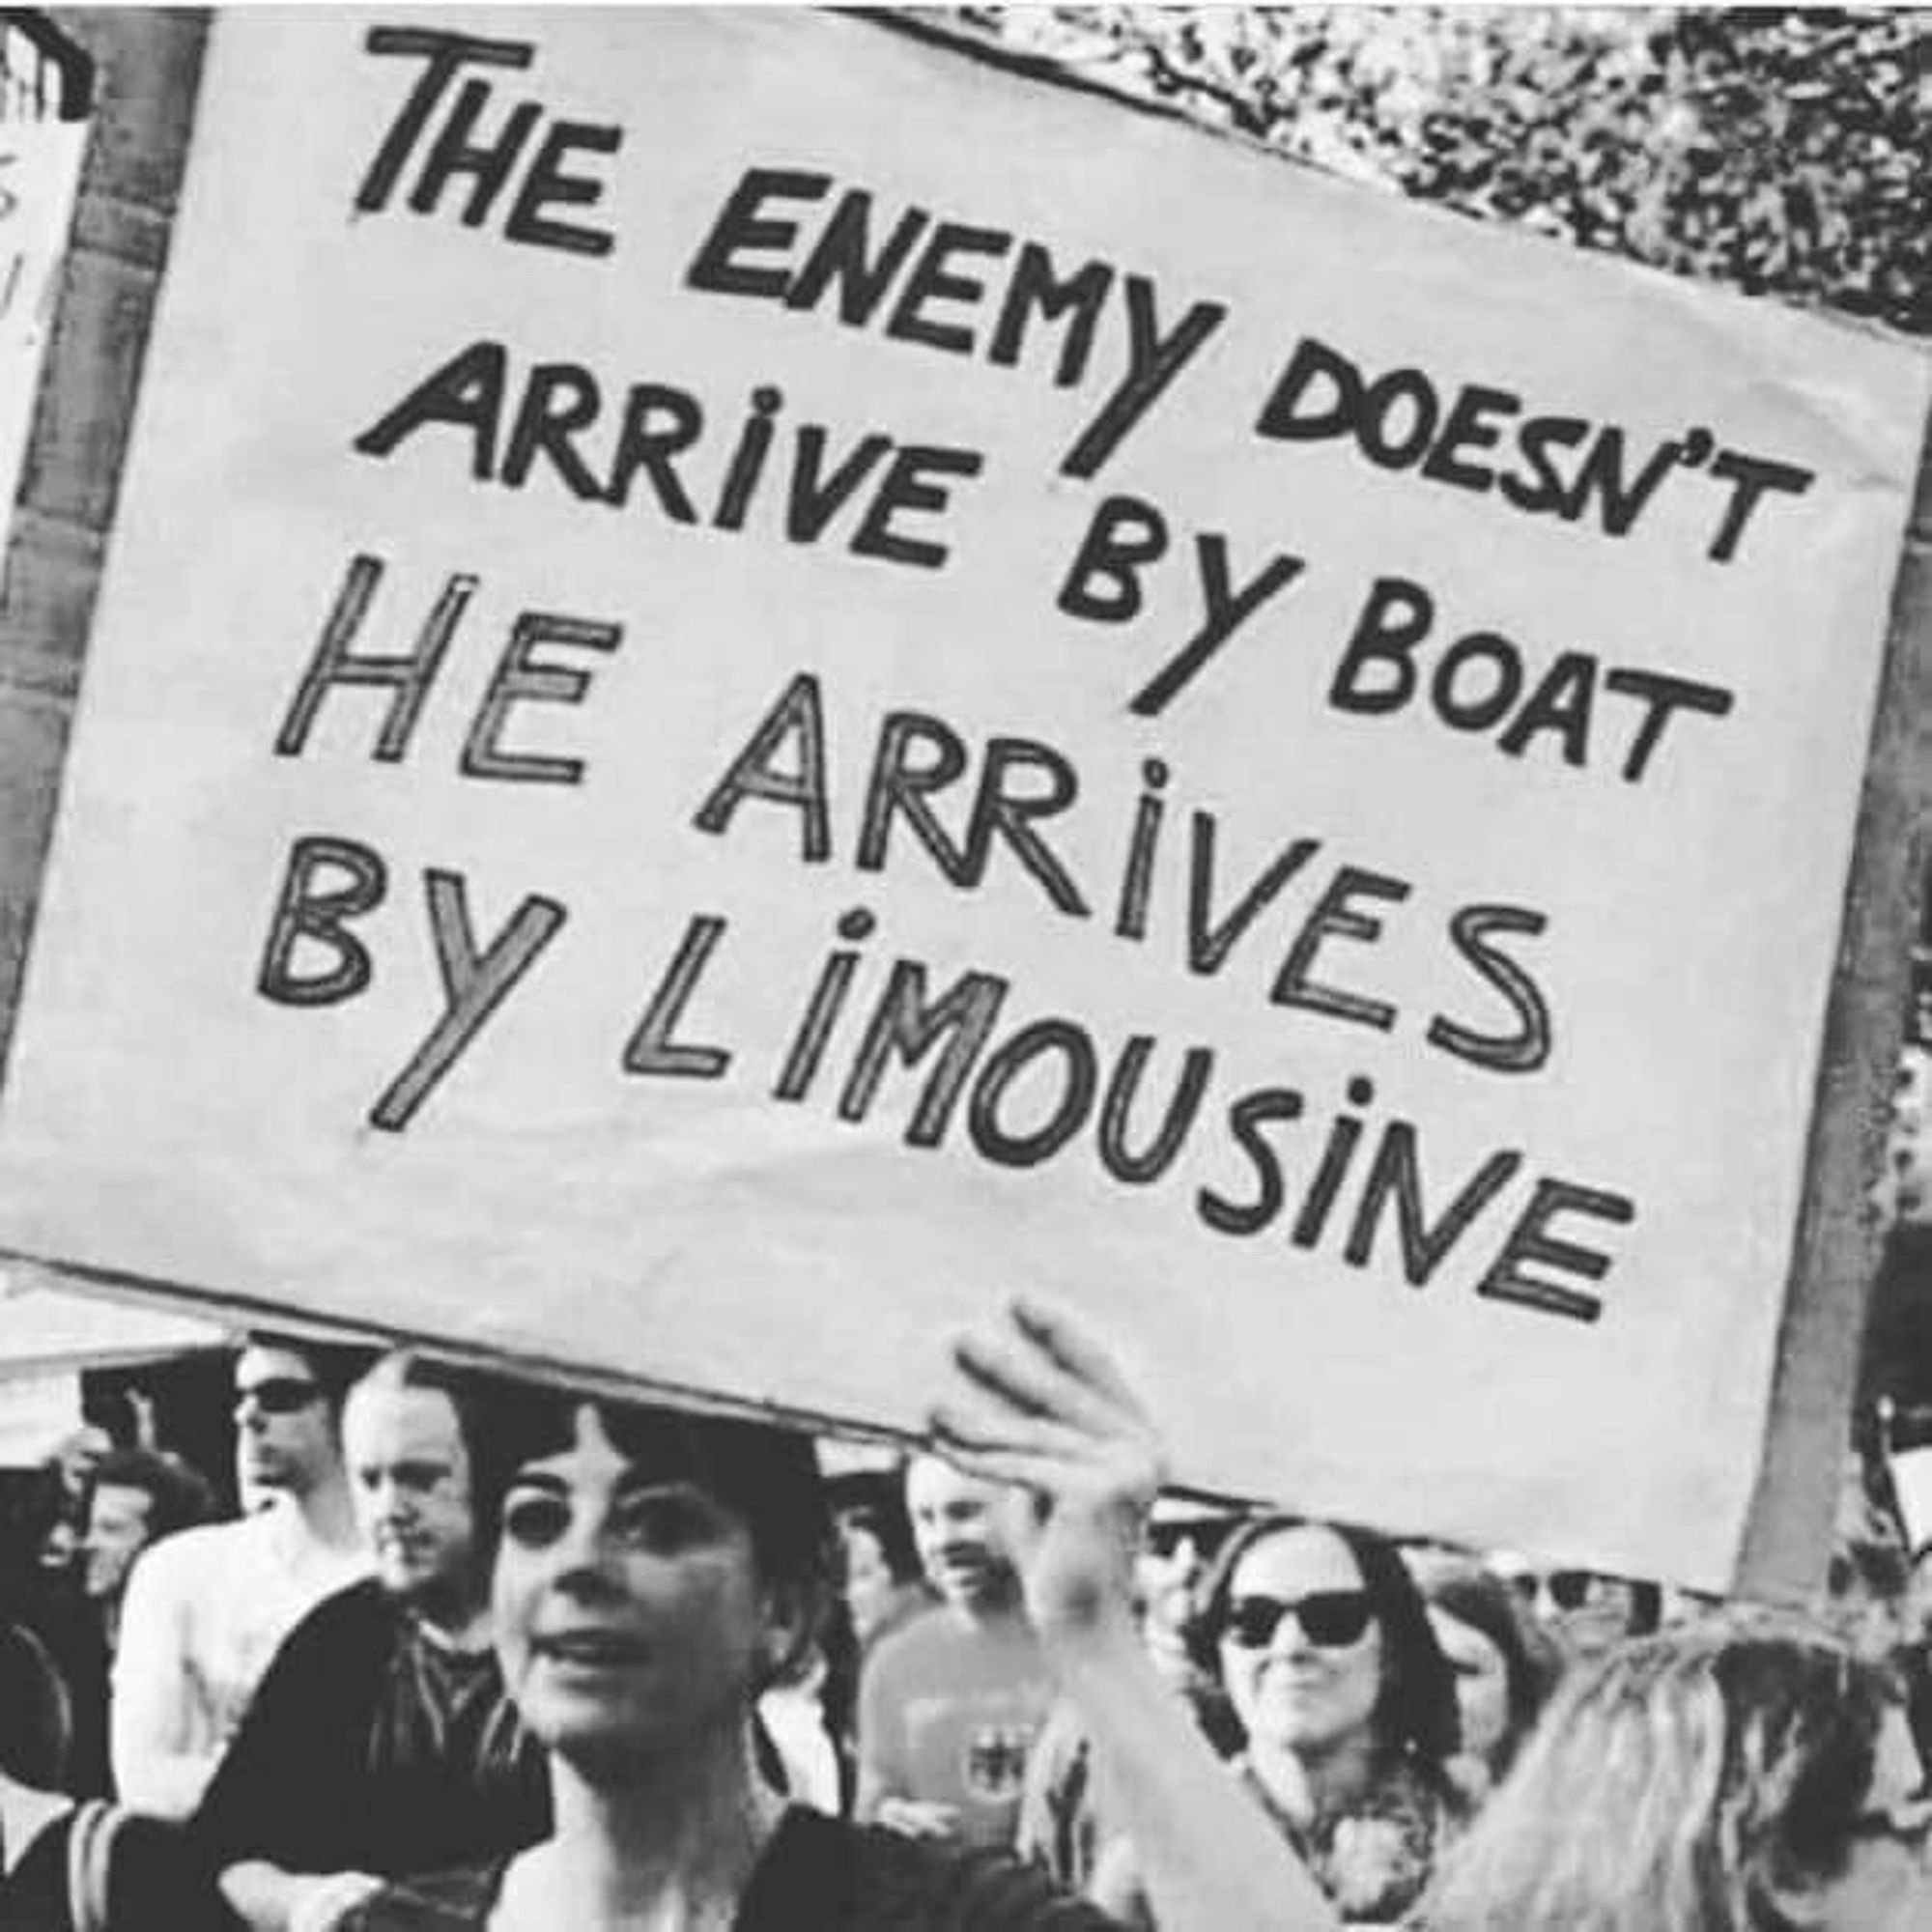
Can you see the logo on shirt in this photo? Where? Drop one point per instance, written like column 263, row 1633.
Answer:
column 993, row 1765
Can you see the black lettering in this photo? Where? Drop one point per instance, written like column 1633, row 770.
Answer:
column 1153, row 1160
column 1103, row 583
column 410, row 677
column 1469, row 427
column 906, row 1024
column 307, row 911
column 1752, row 476
column 560, row 398
column 898, row 788
column 1210, row 941
column 908, row 489
column 816, row 498
column 1462, row 712
column 1529, row 1046
column 547, row 187
column 1543, row 491
column 1395, row 620
column 1602, row 473
column 1560, row 703
column 1385, row 396
column 466, row 392
column 1531, row 1245
column 1290, row 416
column 1228, row 607
column 934, row 280
column 1661, row 695
column 1154, row 361
column 444, row 55
column 1245, row 1120
column 1333, row 916
column 476, row 984
column 1010, row 814
column 520, row 679
column 488, row 164
column 1069, row 1111
column 1396, row 1175
column 651, row 1049
column 718, row 268
column 798, row 715
column 1034, row 286
column 641, row 445
column 841, row 255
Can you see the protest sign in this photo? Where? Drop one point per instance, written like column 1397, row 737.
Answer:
column 757, row 683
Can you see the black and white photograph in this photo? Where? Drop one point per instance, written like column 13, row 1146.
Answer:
column 965, row 967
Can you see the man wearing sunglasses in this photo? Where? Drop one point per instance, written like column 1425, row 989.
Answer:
column 205, row 1610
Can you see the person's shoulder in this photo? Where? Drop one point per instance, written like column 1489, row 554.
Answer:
column 458, row 1900
column 186, row 1552
column 355, row 1626
column 191, row 1562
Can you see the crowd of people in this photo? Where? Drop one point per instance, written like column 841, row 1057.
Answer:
column 473, row 1651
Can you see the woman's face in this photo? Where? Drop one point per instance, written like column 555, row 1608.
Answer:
column 1482, row 1684
column 870, row 1589
column 630, row 1616
column 1289, row 1690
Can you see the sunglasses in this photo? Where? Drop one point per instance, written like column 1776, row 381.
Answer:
column 280, row 1395
column 1569, row 1589
column 1330, row 1619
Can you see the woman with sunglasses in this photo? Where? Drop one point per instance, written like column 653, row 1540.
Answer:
column 1740, row 1773
column 1347, row 1707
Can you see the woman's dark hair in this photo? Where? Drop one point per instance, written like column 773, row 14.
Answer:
column 764, row 1473
column 1486, row 1604
column 874, row 1501
column 178, row 1495
column 1416, row 1712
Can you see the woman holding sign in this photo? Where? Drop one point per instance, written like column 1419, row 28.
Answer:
column 655, row 1573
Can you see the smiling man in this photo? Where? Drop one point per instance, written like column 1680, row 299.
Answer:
column 380, row 1741
column 949, row 1705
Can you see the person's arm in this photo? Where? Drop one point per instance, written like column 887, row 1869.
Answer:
column 277, row 1792
column 266, row 1898
column 162, row 1759
column 1045, row 1409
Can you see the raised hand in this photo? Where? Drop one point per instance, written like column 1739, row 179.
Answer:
column 1043, row 1405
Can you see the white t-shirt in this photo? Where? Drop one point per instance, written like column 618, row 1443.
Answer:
column 204, row 1614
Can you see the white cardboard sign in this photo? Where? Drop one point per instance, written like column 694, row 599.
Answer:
column 757, row 682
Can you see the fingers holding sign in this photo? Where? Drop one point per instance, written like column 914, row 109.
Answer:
column 1043, row 1405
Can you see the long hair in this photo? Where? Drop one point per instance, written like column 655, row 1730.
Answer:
column 1674, row 1785
column 1471, row 1595
column 1414, row 1716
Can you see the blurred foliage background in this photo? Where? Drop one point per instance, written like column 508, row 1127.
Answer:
column 1782, row 152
